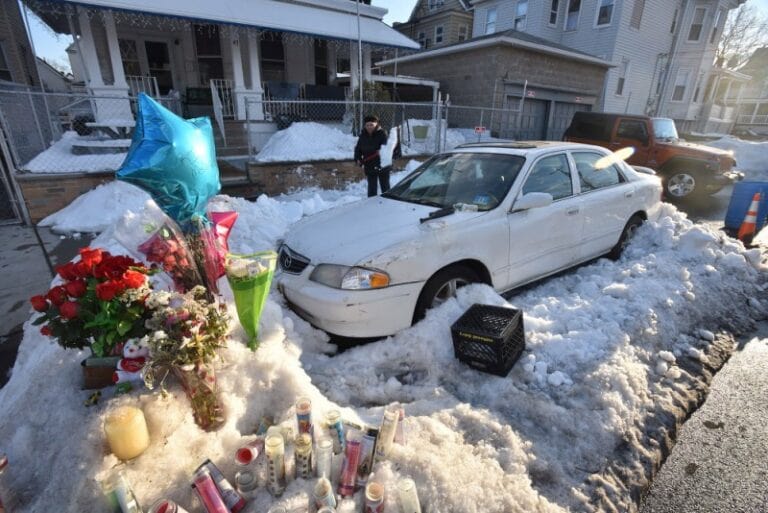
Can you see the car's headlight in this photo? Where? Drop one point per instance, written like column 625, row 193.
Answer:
column 350, row 278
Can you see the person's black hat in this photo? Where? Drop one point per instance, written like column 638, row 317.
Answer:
column 370, row 118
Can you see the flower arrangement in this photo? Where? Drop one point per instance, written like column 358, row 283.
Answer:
column 186, row 331
column 100, row 303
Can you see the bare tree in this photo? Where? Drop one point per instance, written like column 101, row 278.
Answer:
column 745, row 30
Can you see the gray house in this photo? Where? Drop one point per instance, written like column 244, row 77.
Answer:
column 662, row 51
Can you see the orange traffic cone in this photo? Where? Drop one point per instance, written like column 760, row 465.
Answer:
column 749, row 226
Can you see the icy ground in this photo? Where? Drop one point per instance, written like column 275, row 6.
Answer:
column 616, row 352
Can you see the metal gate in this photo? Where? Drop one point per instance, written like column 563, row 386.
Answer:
column 11, row 207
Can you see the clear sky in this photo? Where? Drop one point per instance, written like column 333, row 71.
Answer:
column 51, row 47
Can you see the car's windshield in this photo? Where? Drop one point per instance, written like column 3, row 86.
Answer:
column 664, row 129
column 479, row 179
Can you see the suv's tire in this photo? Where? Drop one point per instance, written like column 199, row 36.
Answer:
column 626, row 235
column 442, row 286
column 682, row 184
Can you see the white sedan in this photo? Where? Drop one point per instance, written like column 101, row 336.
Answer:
column 504, row 214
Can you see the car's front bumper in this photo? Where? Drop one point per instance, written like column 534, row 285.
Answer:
column 350, row 313
column 720, row 180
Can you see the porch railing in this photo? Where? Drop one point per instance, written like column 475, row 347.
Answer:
column 222, row 88
column 142, row 84
column 748, row 119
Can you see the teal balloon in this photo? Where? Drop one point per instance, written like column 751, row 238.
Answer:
column 173, row 159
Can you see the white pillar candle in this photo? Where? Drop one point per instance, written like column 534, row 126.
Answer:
column 126, row 432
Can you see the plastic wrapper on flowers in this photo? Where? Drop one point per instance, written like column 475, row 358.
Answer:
column 154, row 237
column 250, row 277
column 208, row 242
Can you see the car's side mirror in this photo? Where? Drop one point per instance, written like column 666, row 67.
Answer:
column 532, row 200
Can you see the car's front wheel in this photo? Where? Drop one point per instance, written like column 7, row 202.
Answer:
column 443, row 286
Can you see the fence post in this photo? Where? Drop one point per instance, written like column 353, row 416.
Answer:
column 445, row 135
column 43, row 144
column 248, row 129
column 439, row 116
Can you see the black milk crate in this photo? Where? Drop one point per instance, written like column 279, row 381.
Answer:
column 489, row 338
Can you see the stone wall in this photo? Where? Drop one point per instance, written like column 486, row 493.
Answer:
column 45, row 194
column 283, row 177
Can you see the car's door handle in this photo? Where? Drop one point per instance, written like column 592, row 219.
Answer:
column 629, row 194
column 573, row 211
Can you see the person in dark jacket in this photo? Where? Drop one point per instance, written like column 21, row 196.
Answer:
column 371, row 139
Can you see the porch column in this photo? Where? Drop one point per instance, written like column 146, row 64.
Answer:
column 330, row 56
column 257, row 93
column 88, row 50
column 367, row 64
column 354, row 72
column 237, row 74
column 727, row 91
column 114, row 51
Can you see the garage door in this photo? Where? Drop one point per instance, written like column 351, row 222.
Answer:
column 533, row 120
column 562, row 118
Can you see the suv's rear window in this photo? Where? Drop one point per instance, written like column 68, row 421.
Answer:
column 590, row 126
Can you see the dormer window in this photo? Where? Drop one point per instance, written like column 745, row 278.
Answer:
column 434, row 4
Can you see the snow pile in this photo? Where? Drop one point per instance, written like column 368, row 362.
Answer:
column 605, row 351
column 308, row 141
column 60, row 159
column 750, row 156
column 98, row 209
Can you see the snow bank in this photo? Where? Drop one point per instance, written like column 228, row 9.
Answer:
column 98, row 209
column 540, row 439
column 750, row 156
column 59, row 158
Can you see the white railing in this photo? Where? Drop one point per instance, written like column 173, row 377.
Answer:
column 222, row 88
column 142, row 84
column 748, row 119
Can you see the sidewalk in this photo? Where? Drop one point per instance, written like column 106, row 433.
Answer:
column 27, row 260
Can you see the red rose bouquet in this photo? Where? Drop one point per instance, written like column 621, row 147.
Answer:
column 100, row 303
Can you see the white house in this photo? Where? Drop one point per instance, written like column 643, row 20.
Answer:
column 662, row 51
column 225, row 50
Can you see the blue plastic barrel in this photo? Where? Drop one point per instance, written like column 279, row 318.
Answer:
column 740, row 201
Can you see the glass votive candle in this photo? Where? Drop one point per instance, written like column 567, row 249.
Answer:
column 126, row 432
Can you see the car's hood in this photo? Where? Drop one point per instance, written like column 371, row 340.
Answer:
column 697, row 150
column 348, row 234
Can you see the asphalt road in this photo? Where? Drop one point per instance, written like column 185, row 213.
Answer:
column 719, row 463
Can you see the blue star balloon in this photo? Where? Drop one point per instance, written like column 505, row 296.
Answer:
column 173, row 159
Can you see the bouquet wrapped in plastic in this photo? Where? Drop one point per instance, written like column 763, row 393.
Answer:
column 250, row 277
column 155, row 238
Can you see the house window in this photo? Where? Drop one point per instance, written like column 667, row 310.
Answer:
column 604, row 12
column 718, row 16
column 130, row 56
column 572, row 17
column 321, row 62
column 490, row 21
column 208, row 48
column 696, row 25
column 622, row 77
column 5, row 70
column 272, row 57
column 521, row 13
column 422, row 39
column 674, row 22
column 462, row 32
column 434, row 4
column 681, row 82
column 438, row 34
column 637, row 14
column 554, row 7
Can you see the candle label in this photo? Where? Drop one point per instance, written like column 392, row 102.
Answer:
column 232, row 499
column 367, row 446
column 349, row 468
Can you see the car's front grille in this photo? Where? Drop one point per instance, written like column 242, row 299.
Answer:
column 290, row 261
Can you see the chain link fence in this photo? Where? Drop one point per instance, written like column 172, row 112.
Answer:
column 80, row 133
column 68, row 132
